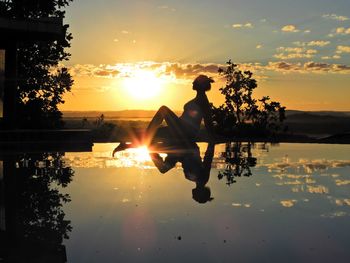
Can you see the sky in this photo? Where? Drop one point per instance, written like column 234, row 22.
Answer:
column 144, row 54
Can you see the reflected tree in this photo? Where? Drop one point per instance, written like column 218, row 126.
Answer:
column 35, row 220
column 238, row 161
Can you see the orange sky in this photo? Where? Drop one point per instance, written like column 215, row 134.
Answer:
column 108, row 88
column 144, row 54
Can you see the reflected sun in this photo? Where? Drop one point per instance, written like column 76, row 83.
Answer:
column 133, row 157
column 141, row 154
column 142, row 84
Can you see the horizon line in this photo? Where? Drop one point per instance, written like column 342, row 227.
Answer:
column 182, row 110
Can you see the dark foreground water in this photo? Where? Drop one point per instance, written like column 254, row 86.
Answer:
column 283, row 203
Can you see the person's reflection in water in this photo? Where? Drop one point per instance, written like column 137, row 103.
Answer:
column 195, row 169
column 179, row 136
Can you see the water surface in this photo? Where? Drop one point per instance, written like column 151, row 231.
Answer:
column 283, row 203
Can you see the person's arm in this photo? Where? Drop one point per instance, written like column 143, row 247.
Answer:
column 207, row 115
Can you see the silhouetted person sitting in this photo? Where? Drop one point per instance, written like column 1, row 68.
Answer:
column 186, row 127
column 194, row 168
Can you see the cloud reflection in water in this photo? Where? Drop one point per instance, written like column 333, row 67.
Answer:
column 306, row 179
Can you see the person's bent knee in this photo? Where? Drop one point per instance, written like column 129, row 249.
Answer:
column 164, row 109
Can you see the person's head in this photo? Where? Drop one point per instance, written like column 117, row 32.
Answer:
column 201, row 194
column 202, row 83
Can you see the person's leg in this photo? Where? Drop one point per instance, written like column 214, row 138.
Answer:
column 164, row 113
column 123, row 146
column 172, row 120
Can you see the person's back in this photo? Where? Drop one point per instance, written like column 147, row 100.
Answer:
column 192, row 116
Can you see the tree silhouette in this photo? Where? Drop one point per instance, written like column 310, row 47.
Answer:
column 269, row 115
column 238, row 92
column 242, row 113
column 41, row 82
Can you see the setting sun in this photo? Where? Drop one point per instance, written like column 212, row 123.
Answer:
column 142, row 84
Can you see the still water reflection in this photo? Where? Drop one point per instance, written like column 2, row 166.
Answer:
column 210, row 203
column 32, row 219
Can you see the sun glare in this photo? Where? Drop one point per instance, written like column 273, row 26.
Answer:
column 141, row 154
column 133, row 157
column 143, row 84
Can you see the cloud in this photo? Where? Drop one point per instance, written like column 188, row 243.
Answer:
column 320, row 189
column 291, row 49
column 82, row 70
column 246, row 25
column 325, row 67
column 299, row 43
column 291, row 56
column 294, row 52
column 318, row 43
column 188, row 71
column 182, row 70
column 342, row 202
column 93, row 71
column 334, row 214
column 331, row 57
column 342, row 31
column 335, row 17
column 307, row 166
column 311, row 51
column 241, row 205
column 340, row 182
column 288, row 203
column 343, row 49
column 339, row 31
column 313, row 43
column 283, row 66
column 290, row 28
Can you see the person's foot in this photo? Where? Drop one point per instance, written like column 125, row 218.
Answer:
column 121, row 147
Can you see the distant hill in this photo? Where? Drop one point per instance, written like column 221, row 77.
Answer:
column 110, row 114
column 311, row 123
column 318, row 123
column 320, row 113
